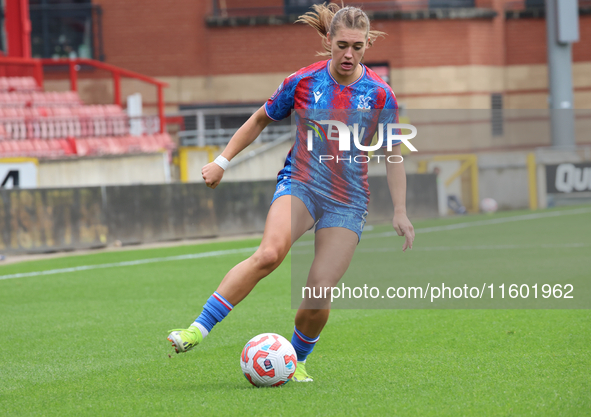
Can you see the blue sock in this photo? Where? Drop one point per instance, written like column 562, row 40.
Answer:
column 302, row 344
column 215, row 310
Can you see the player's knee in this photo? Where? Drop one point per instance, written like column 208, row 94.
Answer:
column 268, row 258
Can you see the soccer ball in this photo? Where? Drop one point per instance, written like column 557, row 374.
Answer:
column 268, row 360
column 488, row 205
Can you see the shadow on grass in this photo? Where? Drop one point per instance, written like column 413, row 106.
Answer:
column 221, row 387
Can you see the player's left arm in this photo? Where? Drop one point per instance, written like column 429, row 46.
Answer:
column 397, row 185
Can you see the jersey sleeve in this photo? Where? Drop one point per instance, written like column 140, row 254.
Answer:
column 389, row 114
column 281, row 103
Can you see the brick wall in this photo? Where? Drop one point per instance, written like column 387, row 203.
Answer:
column 582, row 49
column 170, row 38
column 260, row 49
column 435, row 63
column 156, row 37
column 526, row 41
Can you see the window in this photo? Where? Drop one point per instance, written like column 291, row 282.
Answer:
column 496, row 104
column 66, row 29
column 442, row 4
column 299, row 6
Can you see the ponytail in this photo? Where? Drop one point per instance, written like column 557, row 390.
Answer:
column 327, row 18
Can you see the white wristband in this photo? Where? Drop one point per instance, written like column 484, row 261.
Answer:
column 222, row 162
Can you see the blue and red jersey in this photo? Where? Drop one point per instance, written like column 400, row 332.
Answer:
column 314, row 94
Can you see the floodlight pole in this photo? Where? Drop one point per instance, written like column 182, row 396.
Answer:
column 562, row 29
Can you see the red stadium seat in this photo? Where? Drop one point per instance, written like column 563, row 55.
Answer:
column 14, row 123
column 18, row 84
column 50, row 124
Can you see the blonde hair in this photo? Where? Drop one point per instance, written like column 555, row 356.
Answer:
column 327, row 18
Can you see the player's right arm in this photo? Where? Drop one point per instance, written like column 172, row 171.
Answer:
column 276, row 108
column 212, row 173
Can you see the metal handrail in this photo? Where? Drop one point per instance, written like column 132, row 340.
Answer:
column 26, row 62
column 268, row 146
column 217, row 137
column 202, row 136
column 117, row 73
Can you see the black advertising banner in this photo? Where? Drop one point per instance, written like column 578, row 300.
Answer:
column 45, row 220
column 567, row 178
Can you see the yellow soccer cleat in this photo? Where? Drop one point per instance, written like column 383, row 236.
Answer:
column 184, row 340
column 300, row 374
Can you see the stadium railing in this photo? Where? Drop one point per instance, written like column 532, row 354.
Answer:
column 116, row 72
column 22, row 67
column 46, row 124
column 197, row 129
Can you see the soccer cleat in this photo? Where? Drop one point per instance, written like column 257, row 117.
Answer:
column 184, row 340
column 300, row 374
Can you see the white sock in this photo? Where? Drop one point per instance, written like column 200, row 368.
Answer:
column 202, row 329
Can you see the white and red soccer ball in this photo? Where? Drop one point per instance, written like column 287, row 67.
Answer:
column 488, row 205
column 268, row 360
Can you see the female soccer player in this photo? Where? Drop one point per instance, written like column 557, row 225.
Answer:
column 332, row 195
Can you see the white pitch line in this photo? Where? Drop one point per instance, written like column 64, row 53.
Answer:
column 484, row 247
column 252, row 249
column 131, row 263
column 533, row 216
column 465, row 248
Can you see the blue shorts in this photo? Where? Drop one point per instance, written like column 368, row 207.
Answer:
column 326, row 211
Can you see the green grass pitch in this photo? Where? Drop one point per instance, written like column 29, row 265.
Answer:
column 93, row 342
